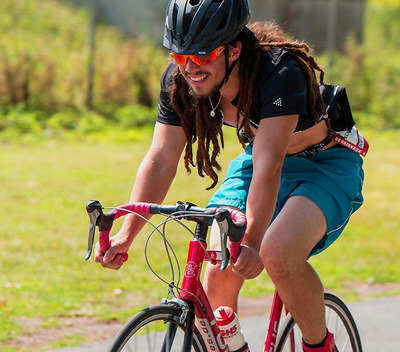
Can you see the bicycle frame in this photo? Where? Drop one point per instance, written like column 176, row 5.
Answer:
column 191, row 302
column 194, row 295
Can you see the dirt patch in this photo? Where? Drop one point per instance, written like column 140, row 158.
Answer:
column 367, row 291
column 364, row 291
column 93, row 330
column 39, row 338
column 249, row 307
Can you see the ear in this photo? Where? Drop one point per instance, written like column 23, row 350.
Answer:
column 234, row 51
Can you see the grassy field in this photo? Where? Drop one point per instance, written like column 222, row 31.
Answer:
column 44, row 226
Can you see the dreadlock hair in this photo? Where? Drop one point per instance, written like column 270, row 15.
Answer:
column 194, row 112
column 197, row 125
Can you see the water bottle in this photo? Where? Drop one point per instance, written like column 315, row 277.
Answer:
column 230, row 329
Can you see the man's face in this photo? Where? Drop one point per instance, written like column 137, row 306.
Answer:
column 204, row 80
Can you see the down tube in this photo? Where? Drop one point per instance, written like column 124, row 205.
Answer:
column 208, row 325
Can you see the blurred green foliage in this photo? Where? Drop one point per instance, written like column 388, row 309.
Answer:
column 44, row 53
column 371, row 71
column 44, row 59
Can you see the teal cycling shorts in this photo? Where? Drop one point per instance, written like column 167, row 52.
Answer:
column 332, row 179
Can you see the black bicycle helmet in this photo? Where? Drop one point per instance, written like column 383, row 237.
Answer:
column 199, row 26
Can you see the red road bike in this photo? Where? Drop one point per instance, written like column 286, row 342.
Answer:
column 185, row 321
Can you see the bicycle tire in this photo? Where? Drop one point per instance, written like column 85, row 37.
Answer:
column 339, row 321
column 153, row 327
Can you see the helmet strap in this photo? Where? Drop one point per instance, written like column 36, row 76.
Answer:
column 228, row 70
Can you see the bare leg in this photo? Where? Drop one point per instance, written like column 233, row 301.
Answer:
column 222, row 287
column 285, row 248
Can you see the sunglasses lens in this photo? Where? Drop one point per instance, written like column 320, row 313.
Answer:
column 199, row 60
column 180, row 59
column 212, row 56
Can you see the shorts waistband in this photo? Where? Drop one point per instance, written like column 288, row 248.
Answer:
column 311, row 151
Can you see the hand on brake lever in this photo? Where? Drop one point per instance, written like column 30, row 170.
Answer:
column 249, row 263
column 113, row 258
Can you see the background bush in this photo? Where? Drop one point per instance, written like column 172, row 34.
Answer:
column 44, row 55
column 44, row 58
column 371, row 71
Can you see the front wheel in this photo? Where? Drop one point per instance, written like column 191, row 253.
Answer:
column 339, row 321
column 155, row 329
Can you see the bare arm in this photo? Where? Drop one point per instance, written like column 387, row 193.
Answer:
column 157, row 170
column 153, row 180
column 269, row 151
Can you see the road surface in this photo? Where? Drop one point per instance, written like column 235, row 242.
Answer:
column 378, row 321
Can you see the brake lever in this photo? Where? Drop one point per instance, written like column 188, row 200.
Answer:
column 222, row 219
column 224, row 251
column 94, row 210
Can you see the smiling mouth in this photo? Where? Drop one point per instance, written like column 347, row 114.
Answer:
column 197, row 78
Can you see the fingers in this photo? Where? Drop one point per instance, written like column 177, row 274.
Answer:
column 109, row 255
column 109, row 259
column 249, row 264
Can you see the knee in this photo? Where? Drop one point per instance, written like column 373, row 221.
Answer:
column 279, row 264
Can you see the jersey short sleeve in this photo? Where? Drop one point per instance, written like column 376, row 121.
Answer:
column 166, row 114
column 282, row 91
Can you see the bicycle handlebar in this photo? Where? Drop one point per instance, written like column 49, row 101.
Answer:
column 232, row 223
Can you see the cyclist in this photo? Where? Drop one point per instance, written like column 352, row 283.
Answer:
column 297, row 187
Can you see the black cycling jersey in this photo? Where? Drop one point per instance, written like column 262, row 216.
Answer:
column 280, row 89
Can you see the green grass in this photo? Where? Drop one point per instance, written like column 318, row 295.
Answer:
column 44, row 226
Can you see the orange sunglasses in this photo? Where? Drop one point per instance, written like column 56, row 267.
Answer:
column 199, row 60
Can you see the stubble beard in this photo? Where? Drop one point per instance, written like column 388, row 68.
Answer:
column 201, row 95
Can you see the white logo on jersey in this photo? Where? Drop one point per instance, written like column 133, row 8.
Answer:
column 278, row 102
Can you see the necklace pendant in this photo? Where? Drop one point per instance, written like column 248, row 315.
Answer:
column 213, row 108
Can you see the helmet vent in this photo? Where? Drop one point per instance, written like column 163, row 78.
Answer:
column 240, row 14
column 175, row 15
column 206, row 18
column 194, row 2
column 187, row 21
column 222, row 24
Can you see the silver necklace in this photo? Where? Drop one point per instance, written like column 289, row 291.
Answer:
column 213, row 108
